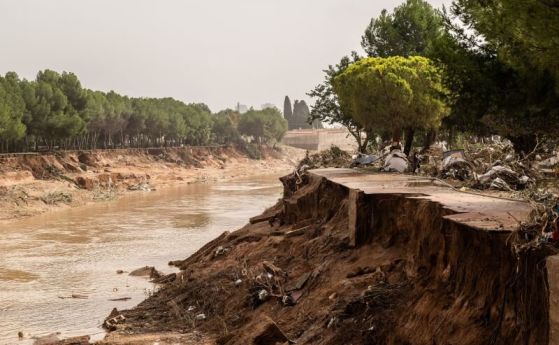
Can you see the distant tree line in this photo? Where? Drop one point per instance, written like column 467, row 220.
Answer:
column 488, row 67
column 55, row 112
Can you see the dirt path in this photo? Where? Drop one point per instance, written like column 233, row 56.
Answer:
column 31, row 185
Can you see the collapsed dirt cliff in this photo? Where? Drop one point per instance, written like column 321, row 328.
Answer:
column 35, row 183
column 347, row 258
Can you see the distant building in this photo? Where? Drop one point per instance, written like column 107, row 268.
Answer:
column 297, row 116
column 320, row 139
column 241, row 108
column 268, row 106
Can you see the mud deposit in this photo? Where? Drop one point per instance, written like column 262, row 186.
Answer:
column 78, row 251
column 413, row 270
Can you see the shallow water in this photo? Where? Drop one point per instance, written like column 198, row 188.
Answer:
column 78, row 251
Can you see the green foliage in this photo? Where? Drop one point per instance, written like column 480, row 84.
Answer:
column 326, row 108
column 12, row 108
column 392, row 93
column 522, row 32
column 409, row 30
column 225, row 127
column 265, row 126
column 497, row 84
column 55, row 111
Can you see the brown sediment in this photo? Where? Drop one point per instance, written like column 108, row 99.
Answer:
column 31, row 184
column 376, row 259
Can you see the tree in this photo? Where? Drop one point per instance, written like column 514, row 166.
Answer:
column 12, row 109
column 392, row 93
column 522, row 32
column 287, row 109
column 327, row 109
column 491, row 92
column 264, row 126
column 225, row 127
column 409, row 31
column 412, row 29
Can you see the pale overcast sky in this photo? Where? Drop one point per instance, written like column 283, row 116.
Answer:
column 213, row 51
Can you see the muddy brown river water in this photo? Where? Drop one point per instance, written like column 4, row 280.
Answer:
column 78, row 252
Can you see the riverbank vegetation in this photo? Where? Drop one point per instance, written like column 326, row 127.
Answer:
column 499, row 76
column 55, row 112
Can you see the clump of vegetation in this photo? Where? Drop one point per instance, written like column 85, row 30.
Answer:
column 334, row 157
column 263, row 126
column 54, row 198
column 105, row 194
column 252, row 150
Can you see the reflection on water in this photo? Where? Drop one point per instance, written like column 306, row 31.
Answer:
column 78, row 252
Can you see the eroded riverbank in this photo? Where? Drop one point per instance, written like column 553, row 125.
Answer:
column 35, row 184
column 77, row 251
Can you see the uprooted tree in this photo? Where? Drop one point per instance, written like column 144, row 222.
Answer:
column 392, row 94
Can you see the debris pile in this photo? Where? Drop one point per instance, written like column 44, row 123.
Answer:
column 334, row 157
column 493, row 165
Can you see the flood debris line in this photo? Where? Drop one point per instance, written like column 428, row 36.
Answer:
column 309, row 271
column 492, row 166
column 540, row 233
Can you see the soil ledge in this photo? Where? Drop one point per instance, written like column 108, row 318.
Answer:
column 354, row 258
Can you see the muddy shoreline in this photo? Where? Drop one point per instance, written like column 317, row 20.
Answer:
column 32, row 185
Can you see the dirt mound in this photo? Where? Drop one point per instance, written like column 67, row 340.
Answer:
column 414, row 277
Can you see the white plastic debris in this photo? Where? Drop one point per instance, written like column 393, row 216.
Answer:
column 396, row 161
column 263, row 295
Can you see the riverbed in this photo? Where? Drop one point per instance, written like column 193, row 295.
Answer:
column 48, row 258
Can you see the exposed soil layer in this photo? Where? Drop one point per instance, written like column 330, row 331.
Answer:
column 36, row 183
column 391, row 260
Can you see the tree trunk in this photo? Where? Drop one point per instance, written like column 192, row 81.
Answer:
column 430, row 137
column 410, row 132
column 396, row 138
column 524, row 144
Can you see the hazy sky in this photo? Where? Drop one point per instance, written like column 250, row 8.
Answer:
column 213, row 51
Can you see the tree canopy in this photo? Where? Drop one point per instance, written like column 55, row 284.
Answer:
column 392, row 93
column 265, row 126
column 409, row 30
column 523, row 33
column 55, row 111
column 498, row 84
column 327, row 109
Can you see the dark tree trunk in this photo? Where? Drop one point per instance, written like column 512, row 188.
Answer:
column 524, row 144
column 396, row 136
column 430, row 138
column 410, row 132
